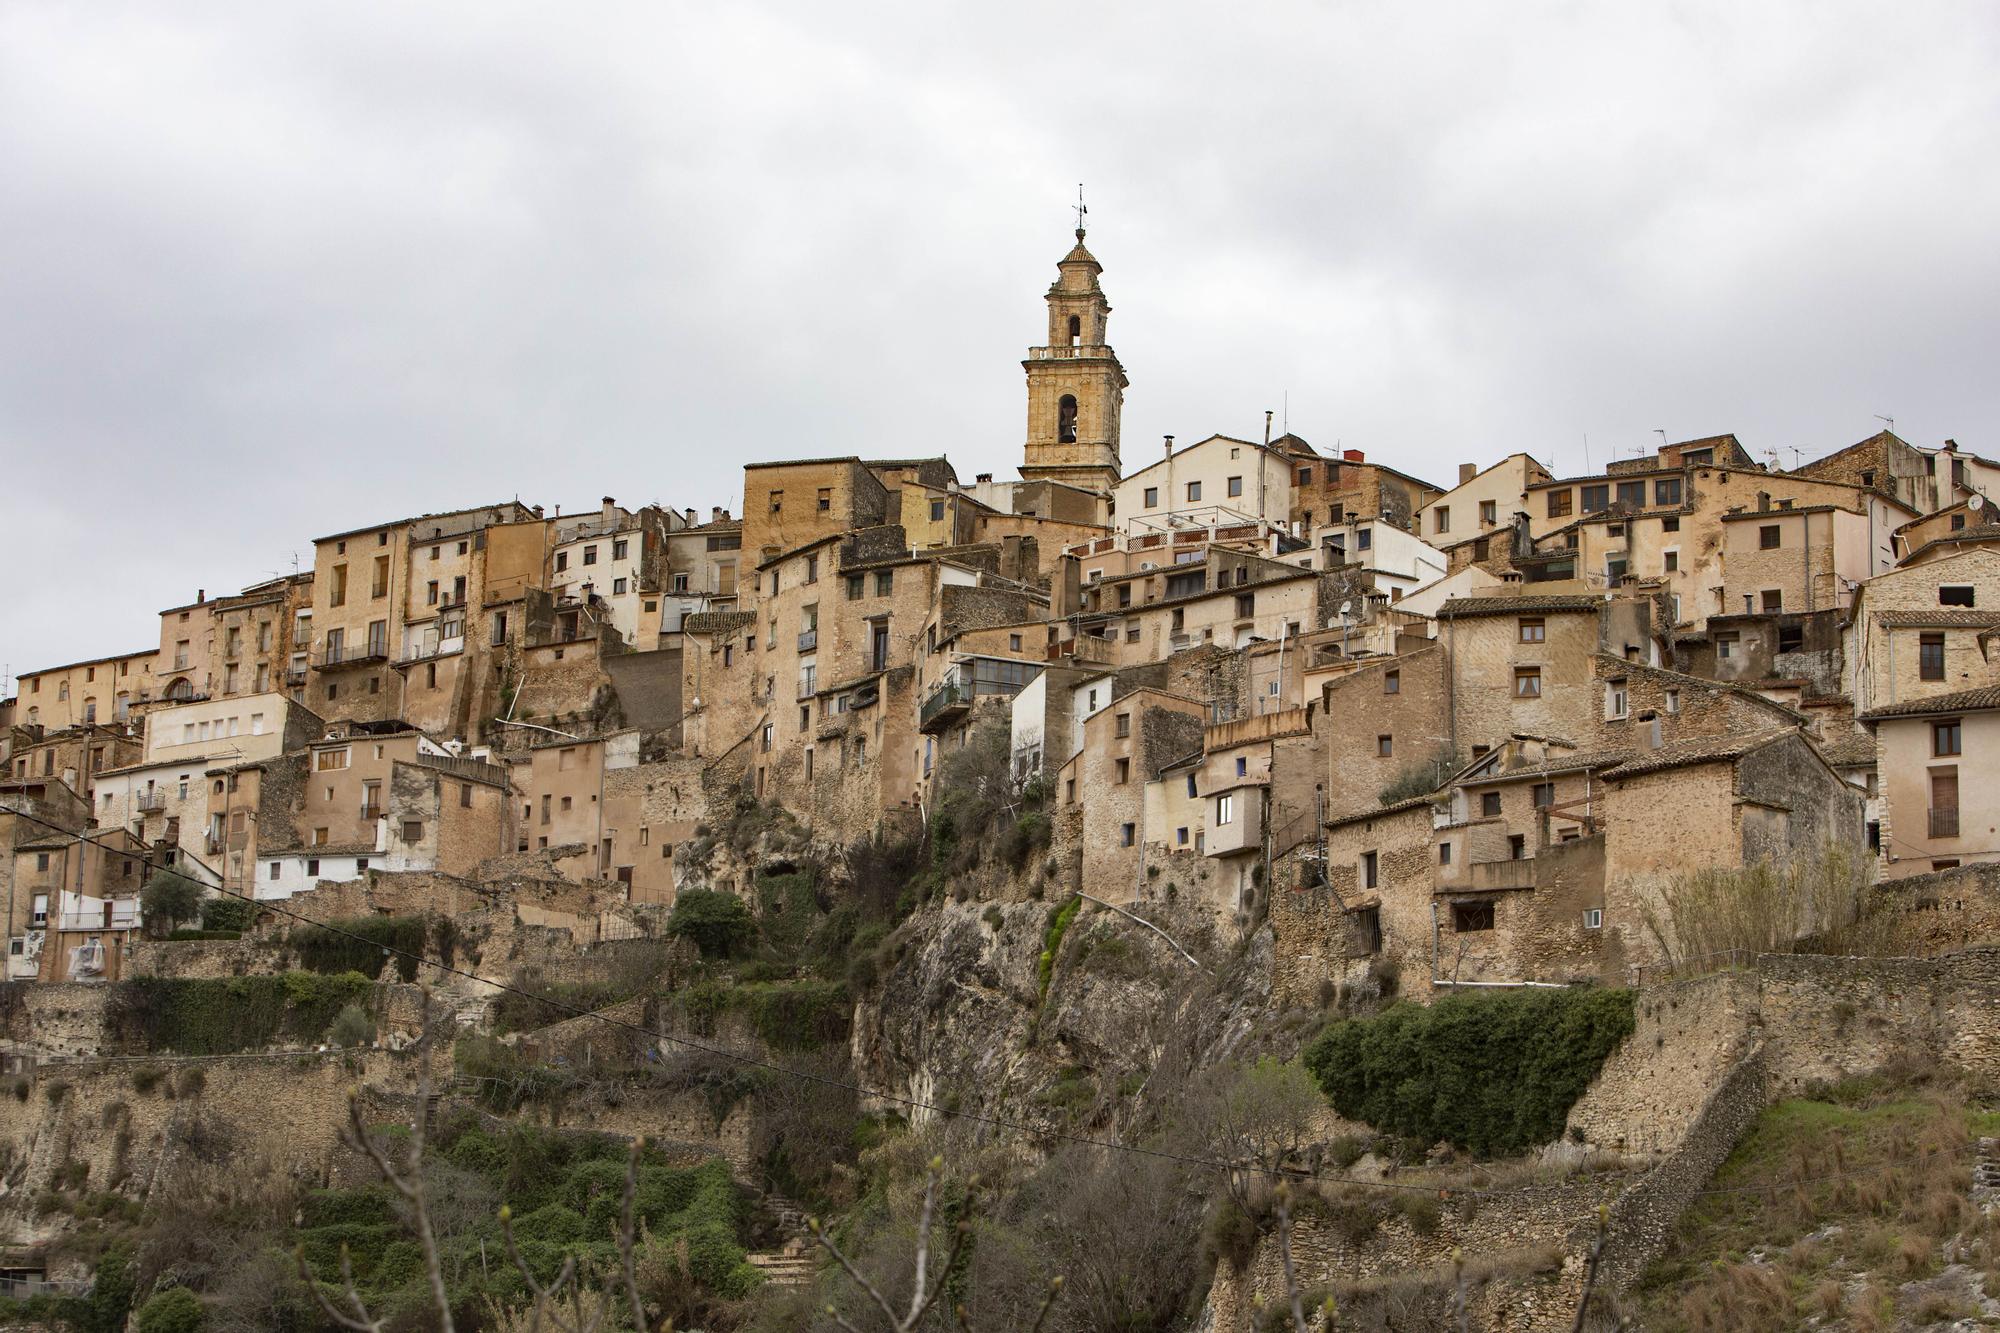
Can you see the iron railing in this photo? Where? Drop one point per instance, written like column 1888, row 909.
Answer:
column 1944, row 823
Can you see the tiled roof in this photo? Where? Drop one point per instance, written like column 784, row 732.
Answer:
column 1944, row 617
column 1850, row 748
column 1565, row 763
column 1963, row 701
column 1694, row 750
column 1501, row 606
column 1396, row 808
column 717, row 622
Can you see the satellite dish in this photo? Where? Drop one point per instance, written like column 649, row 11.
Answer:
column 1345, row 608
column 1976, row 503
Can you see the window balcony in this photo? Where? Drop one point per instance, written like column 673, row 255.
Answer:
column 350, row 655
column 370, row 813
column 1944, row 823
column 808, row 640
column 152, row 802
column 945, row 705
column 295, row 675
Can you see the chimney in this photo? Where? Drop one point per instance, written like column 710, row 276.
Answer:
column 1466, row 472
column 1267, row 428
column 982, row 479
column 1353, row 456
column 1951, row 446
column 690, row 516
column 200, row 596
column 1170, row 446
column 1763, row 502
column 610, row 509
column 715, row 513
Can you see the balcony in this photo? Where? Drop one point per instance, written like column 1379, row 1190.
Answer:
column 808, row 686
column 295, row 675
column 1082, row 352
column 211, row 845
column 944, row 706
column 1944, row 823
column 152, row 802
column 372, row 651
column 808, row 640
column 371, row 813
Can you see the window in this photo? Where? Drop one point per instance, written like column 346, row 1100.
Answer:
column 1769, row 537
column 1957, row 522
column 1246, row 605
column 1128, row 834
column 1069, row 791
column 1013, row 643
column 1930, row 657
column 1489, row 804
column 1236, row 485
column 1671, row 561
column 1559, row 504
column 856, row 585
column 812, row 569
column 1945, row 737
column 1774, row 599
column 1385, row 746
column 1527, row 682
column 1124, row 721
column 825, row 499
column 327, row 760
column 765, row 737
column 1632, row 493
column 1305, row 476
column 1614, row 699
column 1225, row 810
column 465, row 794
column 1543, row 795
column 1242, row 767
column 1670, row 525
column 1673, row 700
column 777, row 502
column 1489, row 512
column 885, row 582
column 1193, row 491
column 413, row 830
column 1955, row 595
column 1593, row 918
column 1371, row 876
column 1667, row 491
column 937, row 511
column 1725, row 644
column 1441, row 519
column 1151, row 498
column 1121, row 771
column 1597, row 497
column 562, row 561
column 1363, row 539
column 41, row 860
column 1944, row 803
column 312, row 866
column 1471, row 916
column 1444, row 853
column 1392, row 682
column 1181, row 836
column 381, row 588
column 1517, row 847
column 1534, row 630
column 1791, row 638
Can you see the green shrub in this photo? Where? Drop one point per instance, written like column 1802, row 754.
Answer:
column 1052, row 939
column 175, row 1310
column 1493, row 1073
column 170, row 898
column 1421, row 778
column 226, row 913
column 797, row 1015
column 352, row 1026
column 718, row 923
column 220, row 1016
column 356, row 944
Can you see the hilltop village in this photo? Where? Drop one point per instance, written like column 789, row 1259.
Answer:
column 1373, row 734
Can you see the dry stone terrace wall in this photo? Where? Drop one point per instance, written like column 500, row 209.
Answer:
column 1687, row 1036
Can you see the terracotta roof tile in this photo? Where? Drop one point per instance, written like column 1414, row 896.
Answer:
column 1987, row 696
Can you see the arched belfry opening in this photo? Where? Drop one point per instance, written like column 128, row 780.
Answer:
column 1076, row 330
column 1066, row 419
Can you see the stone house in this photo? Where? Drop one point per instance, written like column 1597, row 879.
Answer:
column 1327, row 489
column 788, row 506
column 1658, row 480
column 1378, row 721
column 1483, row 503
column 100, row 690
column 1882, row 463
column 1926, row 630
column 376, row 796
column 617, row 557
column 1126, row 744
column 1258, row 784
column 74, row 903
column 1218, row 481
column 31, row 809
column 1935, row 811
column 701, row 569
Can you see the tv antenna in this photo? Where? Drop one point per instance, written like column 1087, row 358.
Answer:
column 1663, row 438
column 1890, row 420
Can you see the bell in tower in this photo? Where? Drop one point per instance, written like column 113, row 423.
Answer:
column 1076, row 388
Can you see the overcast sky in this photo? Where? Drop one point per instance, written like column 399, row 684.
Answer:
column 274, row 270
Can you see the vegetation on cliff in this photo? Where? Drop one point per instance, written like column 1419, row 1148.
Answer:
column 1492, row 1072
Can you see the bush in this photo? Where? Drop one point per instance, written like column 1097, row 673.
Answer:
column 170, row 898
column 718, row 923
column 1494, row 1073
column 226, row 913
column 220, row 1016
column 353, row 1026
column 175, row 1310
column 357, row 944
column 1421, row 778
column 1052, row 939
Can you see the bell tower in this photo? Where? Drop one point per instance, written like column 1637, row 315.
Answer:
column 1076, row 388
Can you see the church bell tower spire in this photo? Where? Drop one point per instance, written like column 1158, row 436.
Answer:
column 1076, row 387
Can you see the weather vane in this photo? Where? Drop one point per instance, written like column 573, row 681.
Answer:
column 1081, row 209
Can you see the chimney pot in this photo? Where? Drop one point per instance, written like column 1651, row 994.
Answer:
column 1466, row 472
column 1353, row 456
column 200, row 596
column 982, row 478
column 715, row 513
column 1170, row 445
column 1951, row 446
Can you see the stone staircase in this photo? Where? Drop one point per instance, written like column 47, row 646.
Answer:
column 796, row 1259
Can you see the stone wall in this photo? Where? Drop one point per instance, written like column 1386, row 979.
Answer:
column 1652, row 1089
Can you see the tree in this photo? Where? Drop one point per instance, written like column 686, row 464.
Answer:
column 175, row 1310
column 718, row 923
column 170, row 897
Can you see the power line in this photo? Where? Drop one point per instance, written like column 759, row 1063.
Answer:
column 860, row 1090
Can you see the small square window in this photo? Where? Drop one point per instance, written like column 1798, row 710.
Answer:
column 1593, row 918
column 1384, row 746
column 1471, row 916
column 1489, row 804
column 1769, row 537
column 1444, row 853
column 1122, row 771
column 1392, row 682
column 1945, row 737
column 1527, row 682
column 1128, row 834
column 1955, row 595
column 1235, row 486
column 1534, row 630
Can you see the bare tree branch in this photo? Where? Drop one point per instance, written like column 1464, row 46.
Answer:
column 360, row 1321
column 627, row 1231
column 1590, row 1269
column 1284, row 1204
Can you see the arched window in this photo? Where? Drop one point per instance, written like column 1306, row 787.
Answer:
column 180, row 689
column 89, row 711
column 1066, row 419
column 1075, row 330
